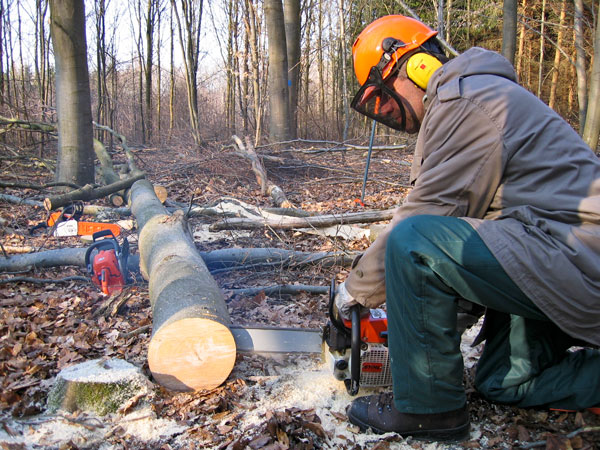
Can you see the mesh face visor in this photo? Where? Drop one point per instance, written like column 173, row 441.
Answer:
column 379, row 102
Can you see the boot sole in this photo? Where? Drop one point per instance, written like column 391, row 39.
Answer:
column 452, row 435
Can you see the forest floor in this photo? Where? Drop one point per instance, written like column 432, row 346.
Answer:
column 272, row 403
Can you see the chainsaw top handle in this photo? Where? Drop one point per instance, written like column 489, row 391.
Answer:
column 103, row 233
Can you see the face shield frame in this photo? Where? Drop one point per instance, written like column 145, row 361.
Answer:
column 374, row 94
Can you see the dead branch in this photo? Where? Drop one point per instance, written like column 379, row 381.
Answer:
column 290, row 223
column 44, row 280
column 247, row 151
column 216, row 260
column 282, row 289
column 88, row 192
column 38, row 187
column 126, row 149
column 568, row 436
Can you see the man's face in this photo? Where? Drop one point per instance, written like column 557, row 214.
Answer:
column 395, row 102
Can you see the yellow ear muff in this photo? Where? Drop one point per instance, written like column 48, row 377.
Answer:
column 420, row 67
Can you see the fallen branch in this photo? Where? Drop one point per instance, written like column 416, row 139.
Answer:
column 88, row 192
column 92, row 210
column 568, row 436
column 38, row 187
column 290, row 223
column 44, row 280
column 247, row 151
column 282, row 289
column 216, row 260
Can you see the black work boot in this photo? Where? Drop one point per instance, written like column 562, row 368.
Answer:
column 378, row 413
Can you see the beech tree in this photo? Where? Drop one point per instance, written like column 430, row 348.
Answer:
column 279, row 127
column 75, row 162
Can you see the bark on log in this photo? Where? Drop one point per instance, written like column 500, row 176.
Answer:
column 289, row 223
column 216, row 260
column 88, row 192
column 191, row 346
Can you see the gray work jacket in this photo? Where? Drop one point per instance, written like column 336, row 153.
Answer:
column 493, row 154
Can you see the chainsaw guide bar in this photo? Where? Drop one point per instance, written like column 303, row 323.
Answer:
column 277, row 340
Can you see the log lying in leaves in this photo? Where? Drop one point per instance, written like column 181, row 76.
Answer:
column 216, row 260
column 88, row 192
column 290, row 223
column 191, row 346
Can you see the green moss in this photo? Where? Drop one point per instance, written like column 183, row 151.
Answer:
column 101, row 398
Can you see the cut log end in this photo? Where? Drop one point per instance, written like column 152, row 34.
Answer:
column 192, row 354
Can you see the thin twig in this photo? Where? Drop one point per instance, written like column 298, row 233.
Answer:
column 44, row 280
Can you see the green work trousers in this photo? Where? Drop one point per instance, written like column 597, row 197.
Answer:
column 433, row 261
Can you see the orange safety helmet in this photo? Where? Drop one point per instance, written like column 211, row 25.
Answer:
column 368, row 49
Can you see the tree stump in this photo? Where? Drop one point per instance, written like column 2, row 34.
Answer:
column 191, row 346
column 100, row 386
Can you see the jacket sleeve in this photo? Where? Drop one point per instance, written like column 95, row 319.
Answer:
column 461, row 169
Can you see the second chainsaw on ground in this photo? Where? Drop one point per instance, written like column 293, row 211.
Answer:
column 106, row 262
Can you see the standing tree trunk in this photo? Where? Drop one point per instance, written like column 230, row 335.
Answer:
column 251, row 23
column 75, row 152
column 509, row 30
column 592, row 121
column 559, row 42
column 151, row 13
column 292, row 35
column 279, row 127
column 189, row 38
column 542, row 52
column 580, row 65
column 191, row 346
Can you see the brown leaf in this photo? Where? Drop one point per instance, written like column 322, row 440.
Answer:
column 556, row 442
column 523, row 434
column 260, row 441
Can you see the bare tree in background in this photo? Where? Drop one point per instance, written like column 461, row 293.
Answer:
column 75, row 153
column 509, row 30
column 592, row 121
column 580, row 64
column 279, row 128
column 291, row 13
column 189, row 24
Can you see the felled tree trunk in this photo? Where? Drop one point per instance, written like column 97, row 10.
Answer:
column 191, row 346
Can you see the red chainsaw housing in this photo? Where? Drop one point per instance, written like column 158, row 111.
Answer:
column 107, row 275
column 373, row 328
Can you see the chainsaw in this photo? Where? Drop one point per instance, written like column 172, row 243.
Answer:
column 67, row 223
column 356, row 349
column 106, row 262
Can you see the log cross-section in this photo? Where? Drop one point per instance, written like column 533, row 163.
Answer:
column 191, row 346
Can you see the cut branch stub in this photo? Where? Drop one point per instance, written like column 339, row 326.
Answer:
column 191, row 346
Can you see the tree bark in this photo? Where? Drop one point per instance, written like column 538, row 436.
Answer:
column 580, row 65
column 88, row 192
column 191, row 346
column 291, row 13
column 279, row 128
column 509, row 30
column 290, row 223
column 592, row 121
column 216, row 260
column 73, row 102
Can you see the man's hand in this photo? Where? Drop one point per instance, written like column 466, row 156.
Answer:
column 344, row 302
